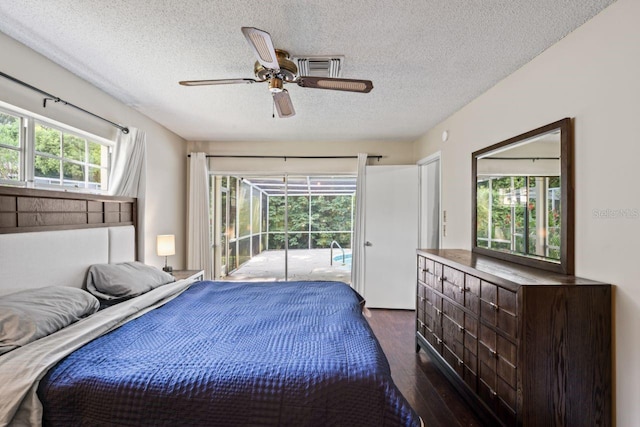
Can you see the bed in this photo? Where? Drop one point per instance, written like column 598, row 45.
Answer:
column 205, row 353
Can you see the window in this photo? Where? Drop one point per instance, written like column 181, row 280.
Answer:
column 55, row 154
column 10, row 147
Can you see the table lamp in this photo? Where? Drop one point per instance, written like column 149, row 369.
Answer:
column 166, row 245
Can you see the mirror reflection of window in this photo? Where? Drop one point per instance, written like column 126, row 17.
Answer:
column 518, row 198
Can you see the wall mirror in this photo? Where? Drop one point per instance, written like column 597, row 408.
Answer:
column 522, row 198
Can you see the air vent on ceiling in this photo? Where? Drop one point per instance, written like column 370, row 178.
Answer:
column 319, row 66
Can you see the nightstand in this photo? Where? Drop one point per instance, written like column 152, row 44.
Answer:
column 193, row 275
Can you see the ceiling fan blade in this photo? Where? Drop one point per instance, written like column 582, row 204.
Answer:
column 261, row 43
column 349, row 85
column 217, row 82
column 283, row 104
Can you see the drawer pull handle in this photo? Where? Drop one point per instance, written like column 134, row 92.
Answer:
column 493, row 353
column 438, row 312
column 494, row 307
column 426, row 269
column 460, row 328
column 492, row 392
column 460, row 362
column 438, row 340
column 443, row 278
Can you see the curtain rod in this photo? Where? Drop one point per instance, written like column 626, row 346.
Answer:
column 49, row 97
column 240, row 156
column 520, row 158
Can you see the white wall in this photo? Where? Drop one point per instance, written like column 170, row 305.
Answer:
column 166, row 162
column 393, row 152
column 592, row 75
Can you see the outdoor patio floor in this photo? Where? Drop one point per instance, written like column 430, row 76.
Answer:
column 304, row 264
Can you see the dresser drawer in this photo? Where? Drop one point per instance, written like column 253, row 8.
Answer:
column 453, row 336
column 435, row 341
column 472, row 293
column 471, row 334
column 432, row 298
column 420, row 315
column 421, row 290
column 496, row 345
column 470, row 377
column 470, row 361
column 506, row 313
column 507, row 350
column 498, row 308
column 471, row 325
column 507, row 301
column 454, row 312
column 421, row 327
column 489, row 302
column 507, row 394
column 433, row 318
column 453, row 284
column 433, row 275
column 487, row 361
column 425, row 266
column 453, row 291
column 506, row 372
column 453, row 360
column 420, row 299
column 487, row 375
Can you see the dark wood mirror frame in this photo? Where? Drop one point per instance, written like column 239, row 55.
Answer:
column 566, row 262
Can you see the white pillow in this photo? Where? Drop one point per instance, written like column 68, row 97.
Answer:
column 35, row 313
column 114, row 282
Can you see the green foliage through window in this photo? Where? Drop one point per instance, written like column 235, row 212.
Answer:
column 9, row 147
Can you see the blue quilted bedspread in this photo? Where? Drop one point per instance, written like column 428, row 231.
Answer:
column 233, row 354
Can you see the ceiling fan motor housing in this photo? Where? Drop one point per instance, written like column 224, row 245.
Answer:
column 288, row 69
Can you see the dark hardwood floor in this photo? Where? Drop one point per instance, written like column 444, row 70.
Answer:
column 427, row 390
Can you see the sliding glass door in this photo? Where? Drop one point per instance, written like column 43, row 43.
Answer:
column 283, row 227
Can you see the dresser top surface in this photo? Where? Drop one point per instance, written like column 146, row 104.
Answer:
column 501, row 272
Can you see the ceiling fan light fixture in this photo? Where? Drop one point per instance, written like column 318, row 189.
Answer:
column 275, row 85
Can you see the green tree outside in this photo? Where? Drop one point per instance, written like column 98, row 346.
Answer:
column 9, row 158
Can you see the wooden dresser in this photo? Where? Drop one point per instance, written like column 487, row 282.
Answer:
column 524, row 346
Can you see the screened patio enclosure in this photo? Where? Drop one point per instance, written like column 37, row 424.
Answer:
column 282, row 227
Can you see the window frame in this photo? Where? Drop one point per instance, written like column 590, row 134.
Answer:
column 20, row 149
column 27, row 153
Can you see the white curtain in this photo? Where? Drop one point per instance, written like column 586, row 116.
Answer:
column 127, row 175
column 128, row 162
column 198, row 235
column 357, row 267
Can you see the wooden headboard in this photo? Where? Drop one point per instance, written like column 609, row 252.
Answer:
column 27, row 210
column 50, row 238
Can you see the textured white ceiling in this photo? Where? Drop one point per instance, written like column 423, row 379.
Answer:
column 426, row 58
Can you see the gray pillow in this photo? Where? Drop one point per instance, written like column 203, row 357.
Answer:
column 35, row 313
column 125, row 280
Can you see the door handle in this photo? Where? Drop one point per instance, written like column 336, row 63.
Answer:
column 368, row 243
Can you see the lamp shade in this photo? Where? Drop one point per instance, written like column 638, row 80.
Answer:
column 166, row 244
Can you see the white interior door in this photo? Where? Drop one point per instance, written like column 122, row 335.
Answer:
column 391, row 233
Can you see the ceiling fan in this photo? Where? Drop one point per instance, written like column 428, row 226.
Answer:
column 273, row 66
